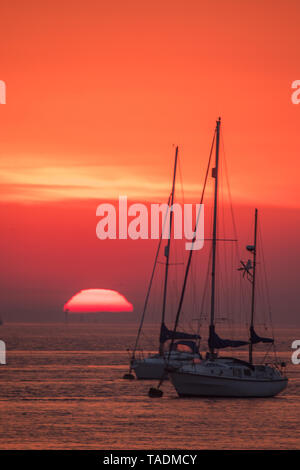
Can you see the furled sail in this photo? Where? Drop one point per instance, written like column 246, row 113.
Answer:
column 166, row 334
column 254, row 338
column 215, row 342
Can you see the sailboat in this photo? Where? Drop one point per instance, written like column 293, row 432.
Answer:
column 219, row 376
column 153, row 366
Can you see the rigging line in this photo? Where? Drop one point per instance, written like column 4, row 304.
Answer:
column 264, row 302
column 266, row 278
column 205, row 287
column 151, row 281
column 180, row 177
column 179, row 253
column 225, row 281
column 190, row 256
column 227, row 278
column 237, row 247
column 194, row 281
column 261, row 288
column 167, row 251
column 264, row 270
column 193, row 291
column 269, row 347
column 229, row 194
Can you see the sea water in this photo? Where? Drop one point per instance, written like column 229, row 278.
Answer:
column 62, row 388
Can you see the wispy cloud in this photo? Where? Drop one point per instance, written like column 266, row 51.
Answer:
column 50, row 183
column 34, row 180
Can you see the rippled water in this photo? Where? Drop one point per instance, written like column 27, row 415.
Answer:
column 62, row 388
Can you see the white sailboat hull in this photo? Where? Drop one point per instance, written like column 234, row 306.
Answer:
column 147, row 370
column 201, row 386
column 153, row 367
column 204, row 381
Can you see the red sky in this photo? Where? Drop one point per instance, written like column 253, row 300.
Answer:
column 98, row 93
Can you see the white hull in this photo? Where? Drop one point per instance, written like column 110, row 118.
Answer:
column 196, row 381
column 149, row 369
column 153, row 367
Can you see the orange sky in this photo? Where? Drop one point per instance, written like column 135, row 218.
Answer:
column 99, row 92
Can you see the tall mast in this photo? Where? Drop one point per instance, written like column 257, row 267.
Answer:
column 167, row 251
column 253, row 288
column 214, row 240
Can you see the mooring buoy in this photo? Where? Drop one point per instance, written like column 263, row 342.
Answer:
column 155, row 393
column 128, row 376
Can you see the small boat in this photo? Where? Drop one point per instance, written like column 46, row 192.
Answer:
column 218, row 376
column 153, row 366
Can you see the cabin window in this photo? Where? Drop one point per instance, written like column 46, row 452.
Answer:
column 247, row 372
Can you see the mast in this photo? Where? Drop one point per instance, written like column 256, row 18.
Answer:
column 214, row 240
column 129, row 375
column 253, row 288
column 167, row 252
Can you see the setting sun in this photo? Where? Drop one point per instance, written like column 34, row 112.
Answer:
column 97, row 300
